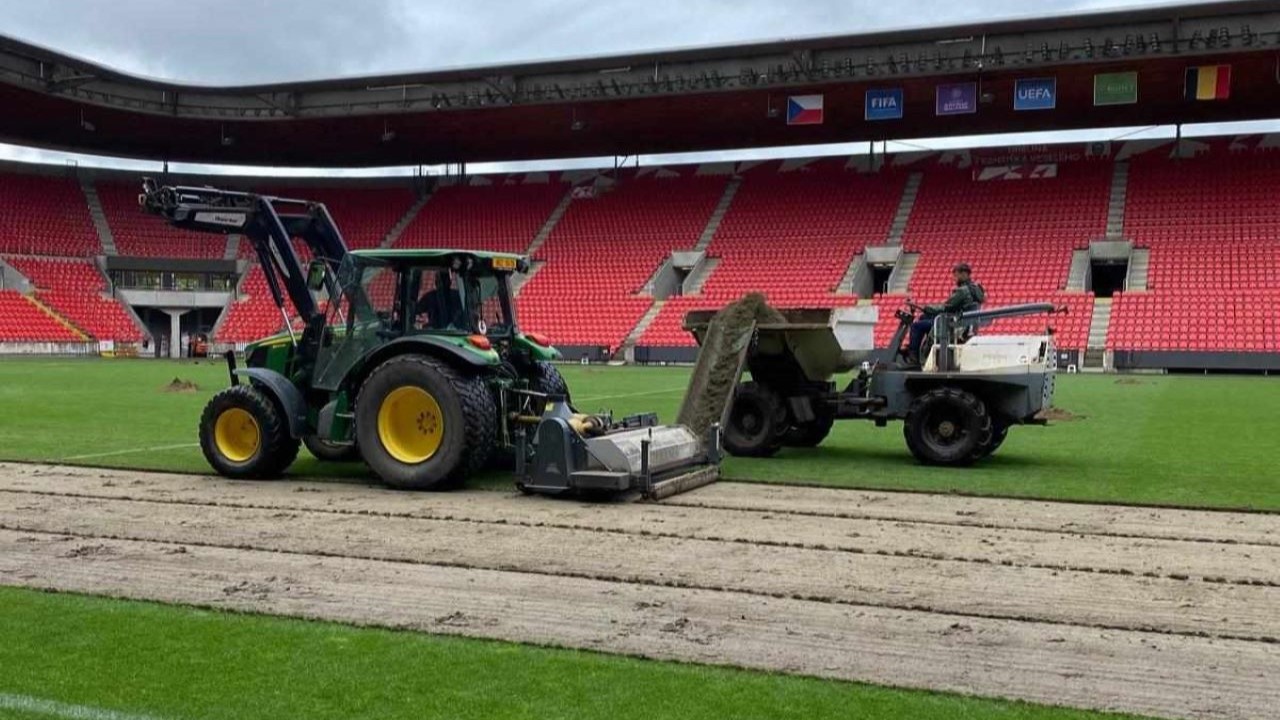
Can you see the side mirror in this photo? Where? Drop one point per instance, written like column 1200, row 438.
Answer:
column 316, row 273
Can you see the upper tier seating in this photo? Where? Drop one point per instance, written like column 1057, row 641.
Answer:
column 77, row 291
column 503, row 218
column 605, row 248
column 45, row 216
column 364, row 214
column 1212, row 224
column 791, row 236
column 138, row 234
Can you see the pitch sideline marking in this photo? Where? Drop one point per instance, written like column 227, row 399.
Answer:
column 593, row 398
column 40, row 706
column 129, row 451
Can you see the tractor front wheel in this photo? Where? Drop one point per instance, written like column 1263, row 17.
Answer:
column 757, row 422
column 244, row 435
column 422, row 425
column 947, row 426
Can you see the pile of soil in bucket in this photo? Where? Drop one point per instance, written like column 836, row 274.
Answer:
column 720, row 361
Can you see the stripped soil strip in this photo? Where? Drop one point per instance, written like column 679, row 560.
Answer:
column 1137, row 672
column 960, row 588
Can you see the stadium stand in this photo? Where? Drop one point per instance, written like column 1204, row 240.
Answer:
column 1211, row 223
column 364, row 214
column 503, row 217
column 792, row 236
column 1017, row 235
column 21, row 320
column 606, row 248
column 42, row 215
column 78, row 292
column 139, row 235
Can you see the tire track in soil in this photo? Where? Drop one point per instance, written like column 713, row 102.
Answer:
column 1137, row 672
column 957, row 588
column 1231, row 563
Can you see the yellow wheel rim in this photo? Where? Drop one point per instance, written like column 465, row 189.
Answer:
column 410, row 424
column 237, row 435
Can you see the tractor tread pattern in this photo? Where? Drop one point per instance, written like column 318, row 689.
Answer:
column 951, row 395
column 479, row 412
column 279, row 449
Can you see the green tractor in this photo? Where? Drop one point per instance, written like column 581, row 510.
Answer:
column 415, row 364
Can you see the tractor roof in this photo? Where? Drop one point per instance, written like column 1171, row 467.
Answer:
column 416, row 253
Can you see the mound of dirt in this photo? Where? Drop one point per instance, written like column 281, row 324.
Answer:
column 1057, row 414
column 178, row 385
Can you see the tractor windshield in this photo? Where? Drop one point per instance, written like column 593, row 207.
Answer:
column 446, row 301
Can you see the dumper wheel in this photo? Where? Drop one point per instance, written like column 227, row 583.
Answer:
column 422, row 425
column 757, row 422
column 999, row 431
column 946, row 426
column 812, row 433
column 244, row 435
column 326, row 451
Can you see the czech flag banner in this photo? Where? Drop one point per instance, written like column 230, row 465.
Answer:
column 1209, row 82
column 804, row 110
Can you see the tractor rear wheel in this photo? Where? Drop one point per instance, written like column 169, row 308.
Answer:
column 999, row 431
column 326, row 451
column 244, row 435
column 420, row 424
column 812, row 433
column 946, row 426
column 757, row 422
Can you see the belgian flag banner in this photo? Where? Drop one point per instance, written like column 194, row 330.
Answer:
column 1209, row 82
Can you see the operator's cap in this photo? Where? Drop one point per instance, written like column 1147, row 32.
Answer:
column 962, row 267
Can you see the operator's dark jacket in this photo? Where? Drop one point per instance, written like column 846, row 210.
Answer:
column 967, row 296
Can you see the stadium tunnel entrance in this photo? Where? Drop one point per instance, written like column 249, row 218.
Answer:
column 1108, row 277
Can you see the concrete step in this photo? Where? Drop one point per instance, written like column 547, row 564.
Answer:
column 1099, row 324
column 1118, row 200
column 64, row 322
column 693, row 284
column 856, row 266
column 627, row 351
column 722, row 208
column 1139, row 267
column 521, row 280
column 545, row 231
column 403, row 223
column 99, row 217
column 1078, row 275
column 233, row 247
column 906, row 204
column 900, row 278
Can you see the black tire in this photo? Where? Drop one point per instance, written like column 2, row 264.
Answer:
column 326, row 451
column 812, row 433
column 542, row 377
column 999, row 431
column 757, row 422
column 244, row 435
column 946, row 426
column 467, row 422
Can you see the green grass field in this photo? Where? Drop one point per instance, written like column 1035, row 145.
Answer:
column 165, row 662
column 1195, row 441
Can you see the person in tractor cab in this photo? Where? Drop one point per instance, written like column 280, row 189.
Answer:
column 967, row 295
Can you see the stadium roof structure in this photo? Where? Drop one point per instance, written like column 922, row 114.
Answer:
column 686, row 100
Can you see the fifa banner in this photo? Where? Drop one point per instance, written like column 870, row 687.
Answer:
column 884, row 104
column 1017, row 172
column 1035, row 94
column 1119, row 88
column 956, row 99
column 804, row 110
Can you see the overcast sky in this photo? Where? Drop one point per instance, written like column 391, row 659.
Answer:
column 229, row 42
